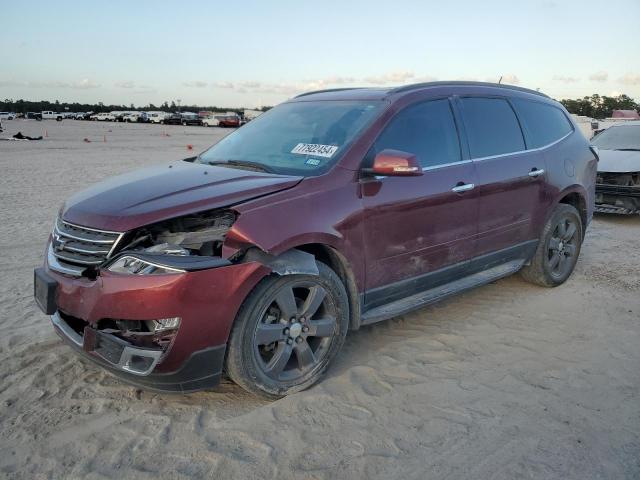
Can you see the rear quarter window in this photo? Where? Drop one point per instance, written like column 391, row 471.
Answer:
column 543, row 123
column 492, row 127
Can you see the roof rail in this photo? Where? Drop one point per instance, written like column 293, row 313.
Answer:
column 415, row 86
column 327, row 90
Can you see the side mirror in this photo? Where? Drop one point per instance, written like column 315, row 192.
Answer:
column 395, row 163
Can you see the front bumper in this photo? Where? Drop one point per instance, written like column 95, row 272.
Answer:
column 207, row 302
column 617, row 198
column 201, row 370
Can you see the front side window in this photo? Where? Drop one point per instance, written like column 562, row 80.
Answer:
column 298, row 138
column 543, row 123
column 492, row 127
column 426, row 130
column 621, row 137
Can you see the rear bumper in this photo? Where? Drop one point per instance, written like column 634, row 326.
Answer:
column 207, row 302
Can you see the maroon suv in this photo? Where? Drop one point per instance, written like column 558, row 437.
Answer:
column 334, row 210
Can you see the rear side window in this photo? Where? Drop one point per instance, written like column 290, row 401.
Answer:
column 492, row 127
column 426, row 130
column 543, row 124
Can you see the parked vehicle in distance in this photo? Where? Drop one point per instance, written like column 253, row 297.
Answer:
column 172, row 119
column 33, row 116
column 7, row 116
column 78, row 116
column 156, row 117
column 618, row 181
column 211, row 121
column 229, row 121
column 135, row 117
column 104, row 117
column 333, row 210
column 191, row 119
column 49, row 115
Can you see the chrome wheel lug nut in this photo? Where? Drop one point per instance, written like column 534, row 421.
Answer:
column 305, row 329
column 289, row 341
column 286, row 331
column 299, row 340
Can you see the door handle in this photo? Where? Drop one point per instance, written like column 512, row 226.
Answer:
column 465, row 187
column 536, row 172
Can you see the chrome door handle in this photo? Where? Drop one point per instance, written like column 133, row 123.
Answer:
column 463, row 188
column 536, row 173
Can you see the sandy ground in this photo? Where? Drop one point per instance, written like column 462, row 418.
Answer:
column 507, row 381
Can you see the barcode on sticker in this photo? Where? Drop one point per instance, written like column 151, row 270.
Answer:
column 315, row 149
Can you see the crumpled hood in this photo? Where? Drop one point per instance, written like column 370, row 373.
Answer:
column 157, row 193
column 619, row 161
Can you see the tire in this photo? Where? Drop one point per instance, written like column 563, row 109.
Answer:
column 284, row 366
column 558, row 249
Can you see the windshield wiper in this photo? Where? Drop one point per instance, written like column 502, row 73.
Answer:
column 627, row 149
column 243, row 163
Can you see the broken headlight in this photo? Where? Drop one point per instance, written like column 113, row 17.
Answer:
column 134, row 266
column 196, row 234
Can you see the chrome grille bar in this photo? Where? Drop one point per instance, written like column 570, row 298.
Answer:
column 75, row 247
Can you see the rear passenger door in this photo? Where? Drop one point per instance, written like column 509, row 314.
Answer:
column 511, row 180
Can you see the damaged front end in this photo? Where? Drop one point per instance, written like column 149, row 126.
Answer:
column 618, row 192
column 129, row 297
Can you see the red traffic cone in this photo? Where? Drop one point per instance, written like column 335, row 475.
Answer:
column 189, row 147
column 46, row 133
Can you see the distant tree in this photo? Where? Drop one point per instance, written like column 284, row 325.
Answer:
column 597, row 106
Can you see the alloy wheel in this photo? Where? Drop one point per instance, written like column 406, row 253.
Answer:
column 561, row 254
column 295, row 331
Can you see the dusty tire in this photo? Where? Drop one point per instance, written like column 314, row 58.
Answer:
column 296, row 358
column 558, row 248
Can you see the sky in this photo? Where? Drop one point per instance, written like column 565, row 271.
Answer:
column 256, row 53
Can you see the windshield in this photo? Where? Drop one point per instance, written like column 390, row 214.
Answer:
column 621, row 137
column 299, row 138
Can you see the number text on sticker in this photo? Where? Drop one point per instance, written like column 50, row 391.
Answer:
column 315, row 149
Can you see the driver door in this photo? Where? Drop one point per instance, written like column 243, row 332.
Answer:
column 416, row 227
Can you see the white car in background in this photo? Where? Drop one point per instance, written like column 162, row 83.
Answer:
column 7, row 116
column 131, row 117
column 103, row 117
column 49, row 115
column 156, row 117
column 211, row 121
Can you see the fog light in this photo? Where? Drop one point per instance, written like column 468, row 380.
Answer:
column 162, row 324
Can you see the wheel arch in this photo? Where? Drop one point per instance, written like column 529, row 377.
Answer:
column 335, row 260
column 577, row 198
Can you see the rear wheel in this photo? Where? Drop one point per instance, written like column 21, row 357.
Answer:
column 287, row 332
column 558, row 249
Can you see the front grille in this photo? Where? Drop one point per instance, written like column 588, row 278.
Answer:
column 76, row 248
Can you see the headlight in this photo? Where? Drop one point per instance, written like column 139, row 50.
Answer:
column 135, row 266
column 164, row 324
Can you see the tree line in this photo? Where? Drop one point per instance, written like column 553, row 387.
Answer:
column 600, row 107
column 24, row 106
column 595, row 106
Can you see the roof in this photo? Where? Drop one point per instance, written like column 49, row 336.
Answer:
column 363, row 93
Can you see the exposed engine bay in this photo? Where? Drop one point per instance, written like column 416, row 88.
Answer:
column 196, row 234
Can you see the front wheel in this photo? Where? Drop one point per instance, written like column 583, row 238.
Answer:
column 558, row 249
column 287, row 332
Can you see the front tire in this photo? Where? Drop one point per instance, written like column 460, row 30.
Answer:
column 558, row 249
column 287, row 332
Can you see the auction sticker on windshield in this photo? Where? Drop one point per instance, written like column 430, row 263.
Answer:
column 315, row 149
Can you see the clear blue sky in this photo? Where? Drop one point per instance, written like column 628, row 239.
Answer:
column 253, row 53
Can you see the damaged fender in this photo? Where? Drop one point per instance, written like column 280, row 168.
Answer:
column 290, row 262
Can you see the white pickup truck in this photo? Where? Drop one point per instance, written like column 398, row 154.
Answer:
column 48, row 115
